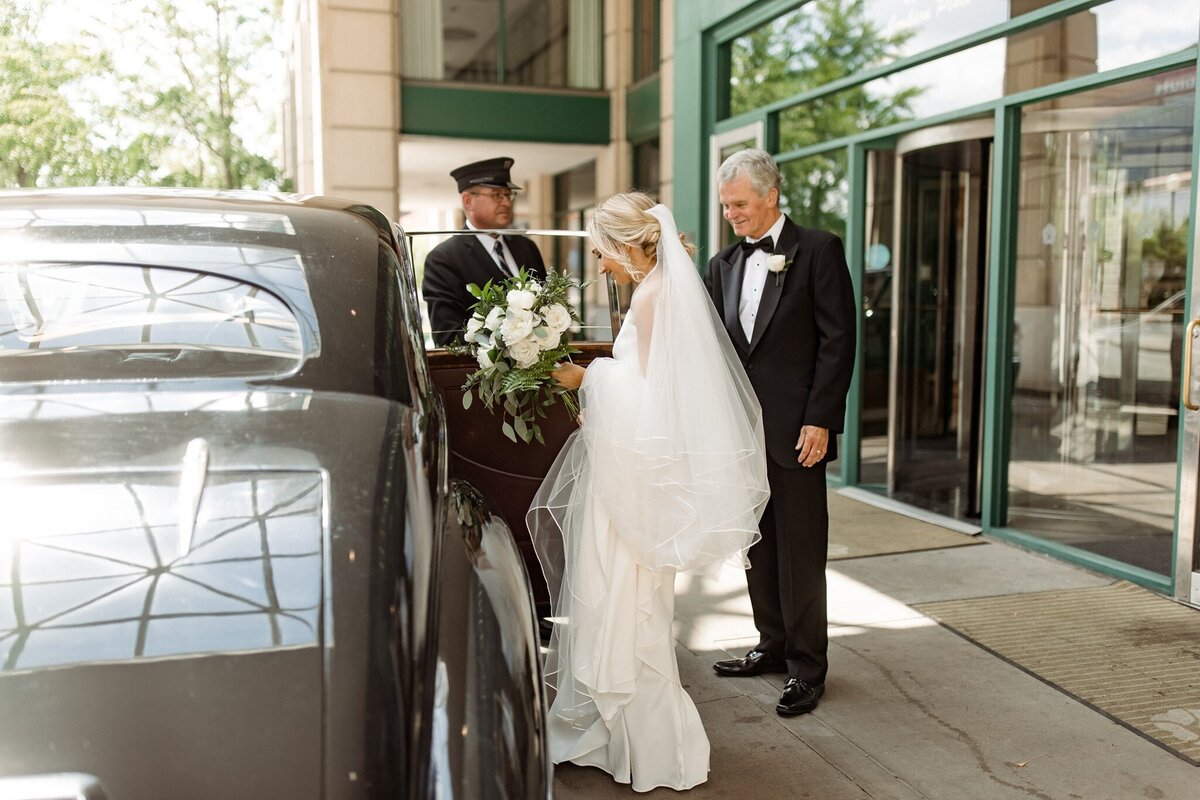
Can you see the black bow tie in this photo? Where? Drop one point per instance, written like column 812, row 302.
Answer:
column 765, row 243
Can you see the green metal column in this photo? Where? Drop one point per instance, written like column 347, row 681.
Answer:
column 1001, row 287
column 856, row 177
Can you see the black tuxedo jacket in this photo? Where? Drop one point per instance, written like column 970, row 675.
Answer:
column 801, row 355
column 461, row 260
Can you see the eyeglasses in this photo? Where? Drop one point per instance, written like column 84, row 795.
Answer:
column 498, row 195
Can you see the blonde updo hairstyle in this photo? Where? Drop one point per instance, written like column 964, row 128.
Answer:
column 623, row 220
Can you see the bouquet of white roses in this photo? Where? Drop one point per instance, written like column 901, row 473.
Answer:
column 518, row 335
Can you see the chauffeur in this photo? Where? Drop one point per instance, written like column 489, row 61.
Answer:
column 487, row 195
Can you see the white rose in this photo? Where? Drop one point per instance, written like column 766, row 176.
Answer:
column 776, row 263
column 546, row 339
column 558, row 319
column 534, row 287
column 517, row 325
column 473, row 326
column 494, row 318
column 524, row 352
column 485, row 361
column 520, row 298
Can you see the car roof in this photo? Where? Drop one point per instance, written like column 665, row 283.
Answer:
column 319, row 254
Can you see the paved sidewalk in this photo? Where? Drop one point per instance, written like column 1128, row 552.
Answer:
column 911, row 710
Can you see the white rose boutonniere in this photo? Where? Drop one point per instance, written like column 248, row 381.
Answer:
column 776, row 264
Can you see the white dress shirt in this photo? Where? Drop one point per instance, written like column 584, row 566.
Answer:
column 509, row 267
column 754, row 278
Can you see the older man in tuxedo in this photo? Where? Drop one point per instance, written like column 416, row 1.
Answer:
column 785, row 296
column 487, row 195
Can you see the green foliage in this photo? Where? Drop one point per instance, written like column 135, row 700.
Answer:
column 176, row 119
column 1168, row 246
column 521, row 392
column 199, row 83
column 822, row 41
column 43, row 139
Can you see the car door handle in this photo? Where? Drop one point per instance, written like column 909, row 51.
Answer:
column 1188, row 403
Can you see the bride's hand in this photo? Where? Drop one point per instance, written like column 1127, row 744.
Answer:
column 569, row 375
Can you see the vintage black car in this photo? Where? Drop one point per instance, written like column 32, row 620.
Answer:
column 233, row 562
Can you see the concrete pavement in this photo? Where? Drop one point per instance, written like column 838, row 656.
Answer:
column 912, row 710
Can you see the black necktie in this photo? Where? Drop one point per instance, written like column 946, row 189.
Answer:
column 766, row 243
column 498, row 249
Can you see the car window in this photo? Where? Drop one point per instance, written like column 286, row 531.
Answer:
column 61, row 321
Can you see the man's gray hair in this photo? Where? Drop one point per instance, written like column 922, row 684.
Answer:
column 757, row 166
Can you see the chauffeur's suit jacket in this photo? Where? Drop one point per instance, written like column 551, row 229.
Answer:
column 459, row 261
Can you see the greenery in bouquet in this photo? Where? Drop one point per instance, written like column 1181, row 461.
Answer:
column 518, row 333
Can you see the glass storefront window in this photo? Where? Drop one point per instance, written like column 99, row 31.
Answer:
column 552, row 43
column 878, row 268
column 816, row 192
column 646, row 32
column 817, row 43
column 574, row 199
column 646, row 166
column 1104, row 205
column 1112, row 35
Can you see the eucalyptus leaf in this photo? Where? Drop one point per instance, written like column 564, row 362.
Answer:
column 508, row 431
column 467, row 397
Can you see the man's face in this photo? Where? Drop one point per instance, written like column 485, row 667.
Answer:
column 488, row 207
column 750, row 213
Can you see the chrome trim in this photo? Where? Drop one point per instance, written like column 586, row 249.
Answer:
column 1187, row 564
column 966, row 130
column 52, row 786
column 500, row 232
column 1188, row 332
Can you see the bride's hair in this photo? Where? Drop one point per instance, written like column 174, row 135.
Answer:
column 622, row 221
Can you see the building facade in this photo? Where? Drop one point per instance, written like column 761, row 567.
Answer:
column 387, row 96
column 1013, row 180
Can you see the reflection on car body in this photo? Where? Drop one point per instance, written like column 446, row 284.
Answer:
column 232, row 560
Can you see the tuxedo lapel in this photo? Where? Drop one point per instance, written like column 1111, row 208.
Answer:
column 772, row 290
column 731, row 290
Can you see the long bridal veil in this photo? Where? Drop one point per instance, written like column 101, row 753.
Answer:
column 670, row 452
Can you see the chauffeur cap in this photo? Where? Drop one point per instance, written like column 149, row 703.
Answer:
column 489, row 172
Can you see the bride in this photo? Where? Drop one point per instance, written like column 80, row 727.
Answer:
column 666, row 474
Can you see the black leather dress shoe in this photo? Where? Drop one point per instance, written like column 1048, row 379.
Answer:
column 756, row 662
column 799, row 697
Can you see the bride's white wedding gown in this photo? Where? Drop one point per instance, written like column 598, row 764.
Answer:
column 637, row 722
column 665, row 474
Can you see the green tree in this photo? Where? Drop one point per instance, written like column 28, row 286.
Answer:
column 1168, row 246
column 44, row 141
column 198, row 89
column 820, row 42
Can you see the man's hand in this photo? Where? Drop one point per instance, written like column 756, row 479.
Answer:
column 569, row 375
column 812, row 444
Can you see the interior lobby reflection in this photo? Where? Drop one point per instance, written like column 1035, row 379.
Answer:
column 1101, row 268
